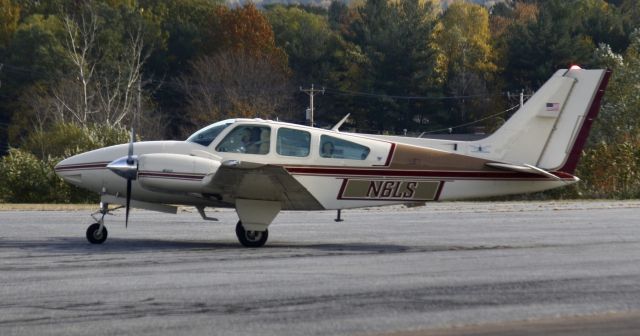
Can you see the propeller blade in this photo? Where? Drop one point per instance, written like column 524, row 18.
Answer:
column 126, row 218
column 133, row 137
column 130, row 162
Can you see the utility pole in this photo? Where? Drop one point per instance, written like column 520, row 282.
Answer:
column 139, row 109
column 311, row 92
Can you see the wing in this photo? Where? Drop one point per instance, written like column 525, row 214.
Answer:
column 247, row 180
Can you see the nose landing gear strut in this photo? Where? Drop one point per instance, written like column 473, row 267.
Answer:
column 97, row 232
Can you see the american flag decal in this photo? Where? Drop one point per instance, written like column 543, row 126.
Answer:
column 553, row 106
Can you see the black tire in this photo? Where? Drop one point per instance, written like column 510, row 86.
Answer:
column 92, row 234
column 251, row 238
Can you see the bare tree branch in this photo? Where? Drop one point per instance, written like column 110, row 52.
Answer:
column 232, row 84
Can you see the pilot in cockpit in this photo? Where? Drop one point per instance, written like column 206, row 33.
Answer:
column 327, row 149
column 255, row 140
column 245, row 140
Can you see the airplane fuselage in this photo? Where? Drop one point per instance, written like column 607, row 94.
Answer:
column 376, row 172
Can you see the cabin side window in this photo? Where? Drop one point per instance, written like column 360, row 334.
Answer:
column 246, row 140
column 292, row 142
column 331, row 147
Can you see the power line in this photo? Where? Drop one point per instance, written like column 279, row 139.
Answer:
column 470, row 123
column 397, row 97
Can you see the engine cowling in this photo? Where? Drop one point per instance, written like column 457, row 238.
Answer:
column 175, row 172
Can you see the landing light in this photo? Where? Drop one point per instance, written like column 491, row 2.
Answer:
column 231, row 163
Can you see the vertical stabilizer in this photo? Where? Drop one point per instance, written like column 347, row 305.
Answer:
column 565, row 145
column 550, row 130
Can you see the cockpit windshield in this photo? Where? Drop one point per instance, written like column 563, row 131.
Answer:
column 206, row 135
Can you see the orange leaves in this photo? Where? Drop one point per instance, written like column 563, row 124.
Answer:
column 244, row 30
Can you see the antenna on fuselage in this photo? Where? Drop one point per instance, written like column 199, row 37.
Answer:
column 336, row 127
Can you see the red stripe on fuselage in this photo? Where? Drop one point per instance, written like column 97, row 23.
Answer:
column 440, row 187
column 392, row 151
column 82, row 166
column 387, row 162
column 178, row 176
column 343, row 172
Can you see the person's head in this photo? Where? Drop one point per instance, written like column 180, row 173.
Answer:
column 246, row 136
column 327, row 148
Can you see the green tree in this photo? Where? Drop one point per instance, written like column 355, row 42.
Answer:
column 620, row 112
column 466, row 60
column 183, row 24
column 395, row 40
column 503, row 20
column 102, row 50
column 35, row 59
column 602, row 22
column 629, row 11
column 36, row 52
column 9, row 16
column 553, row 41
column 338, row 16
column 306, row 38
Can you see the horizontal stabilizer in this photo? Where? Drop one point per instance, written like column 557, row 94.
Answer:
column 525, row 168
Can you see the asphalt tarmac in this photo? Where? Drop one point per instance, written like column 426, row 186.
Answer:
column 538, row 268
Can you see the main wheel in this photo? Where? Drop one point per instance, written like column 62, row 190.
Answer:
column 94, row 236
column 251, row 238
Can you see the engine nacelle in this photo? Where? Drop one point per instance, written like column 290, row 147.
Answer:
column 175, row 172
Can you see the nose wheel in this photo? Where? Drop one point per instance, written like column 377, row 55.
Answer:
column 251, row 238
column 97, row 233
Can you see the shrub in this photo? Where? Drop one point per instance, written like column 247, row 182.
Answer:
column 26, row 179
column 27, row 174
column 611, row 170
column 67, row 139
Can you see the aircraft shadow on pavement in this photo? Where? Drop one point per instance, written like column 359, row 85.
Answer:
column 79, row 244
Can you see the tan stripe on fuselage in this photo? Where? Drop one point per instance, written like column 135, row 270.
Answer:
column 417, row 158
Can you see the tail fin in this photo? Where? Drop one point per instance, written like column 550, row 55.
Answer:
column 550, row 130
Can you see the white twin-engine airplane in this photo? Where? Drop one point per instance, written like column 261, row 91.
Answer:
column 260, row 167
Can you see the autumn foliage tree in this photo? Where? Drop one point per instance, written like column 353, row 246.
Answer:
column 244, row 30
column 243, row 74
